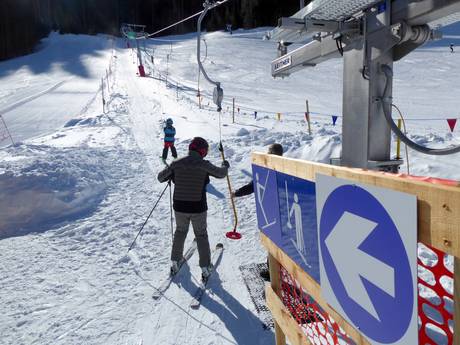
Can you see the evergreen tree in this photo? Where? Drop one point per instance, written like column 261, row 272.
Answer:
column 24, row 22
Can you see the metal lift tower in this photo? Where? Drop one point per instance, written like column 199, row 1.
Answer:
column 135, row 32
column 370, row 35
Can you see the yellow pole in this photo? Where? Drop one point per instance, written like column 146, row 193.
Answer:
column 233, row 112
column 307, row 115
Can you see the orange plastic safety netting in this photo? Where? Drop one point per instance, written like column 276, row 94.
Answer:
column 435, row 299
column 435, row 304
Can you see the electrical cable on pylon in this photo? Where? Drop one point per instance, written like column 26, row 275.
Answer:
column 405, row 132
column 388, row 72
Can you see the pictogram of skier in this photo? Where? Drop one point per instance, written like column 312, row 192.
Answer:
column 260, row 188
column 296, row 211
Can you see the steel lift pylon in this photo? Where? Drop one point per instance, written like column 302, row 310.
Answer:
column 370, row 35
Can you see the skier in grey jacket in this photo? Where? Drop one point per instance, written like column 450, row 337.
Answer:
column 190, row 175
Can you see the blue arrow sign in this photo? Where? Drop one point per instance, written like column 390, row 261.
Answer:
column 368, row 262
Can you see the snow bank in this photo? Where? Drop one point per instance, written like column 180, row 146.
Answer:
column 44, row 186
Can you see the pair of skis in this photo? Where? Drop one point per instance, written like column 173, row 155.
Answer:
column 215, row 260
column 167, row 282
column 201, row 290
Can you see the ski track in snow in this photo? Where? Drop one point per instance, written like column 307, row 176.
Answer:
column 70, row 280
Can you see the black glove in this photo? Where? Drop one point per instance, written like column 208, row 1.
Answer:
column 226, row 164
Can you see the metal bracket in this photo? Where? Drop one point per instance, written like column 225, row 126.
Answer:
column 308, row 55
column 218, row 93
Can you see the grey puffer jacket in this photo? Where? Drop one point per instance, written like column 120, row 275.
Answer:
column 190, row 175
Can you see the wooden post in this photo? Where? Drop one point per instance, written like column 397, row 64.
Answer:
column 6, row 128
column 307, row 117
column 103, row 96
column 398, row 142
column 167, row 68
column 456, row 300
column 107, row 78
column 274, row 267
column 279, row 116
column 233, row 112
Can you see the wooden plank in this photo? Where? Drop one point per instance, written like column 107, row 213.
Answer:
column 275, row 282
column 312, row 287
column 438, row 205
column 456, row 301
column 280, row 337
column 287, row 323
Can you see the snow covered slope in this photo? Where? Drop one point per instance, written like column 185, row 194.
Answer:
column 40, row 92
column 74, row 193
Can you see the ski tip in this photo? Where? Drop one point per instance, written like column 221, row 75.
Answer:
column 219, row 245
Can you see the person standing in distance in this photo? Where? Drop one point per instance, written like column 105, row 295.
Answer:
column 247, row 189
column 169, row 139
column 190, row 176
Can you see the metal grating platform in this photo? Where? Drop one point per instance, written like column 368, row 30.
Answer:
column 332, row 10
column 414, row 12
column 337, row 10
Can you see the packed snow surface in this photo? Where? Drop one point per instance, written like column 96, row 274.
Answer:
column 79, row 182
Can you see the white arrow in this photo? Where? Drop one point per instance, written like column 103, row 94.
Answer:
column 352, row 263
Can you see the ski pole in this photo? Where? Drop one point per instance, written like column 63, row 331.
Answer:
column 171, row 211
column 142, row 227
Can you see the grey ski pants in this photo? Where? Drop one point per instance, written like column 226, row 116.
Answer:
column 199, row 225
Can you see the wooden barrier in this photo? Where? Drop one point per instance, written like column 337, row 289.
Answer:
column 438, row 226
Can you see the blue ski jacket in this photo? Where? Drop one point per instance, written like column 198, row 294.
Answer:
column 170, row 133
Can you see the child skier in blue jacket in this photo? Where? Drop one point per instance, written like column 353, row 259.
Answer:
column 170, row 133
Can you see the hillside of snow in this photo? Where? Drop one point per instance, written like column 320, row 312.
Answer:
column 79, row 182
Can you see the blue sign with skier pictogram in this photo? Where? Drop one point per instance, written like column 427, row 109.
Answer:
column 286, row 213
column 368, row 258
column 267, row 207
column 297, row 202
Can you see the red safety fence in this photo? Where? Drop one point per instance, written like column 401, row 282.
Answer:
column 435, row 304
column 317, row 325
column 435, row 299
